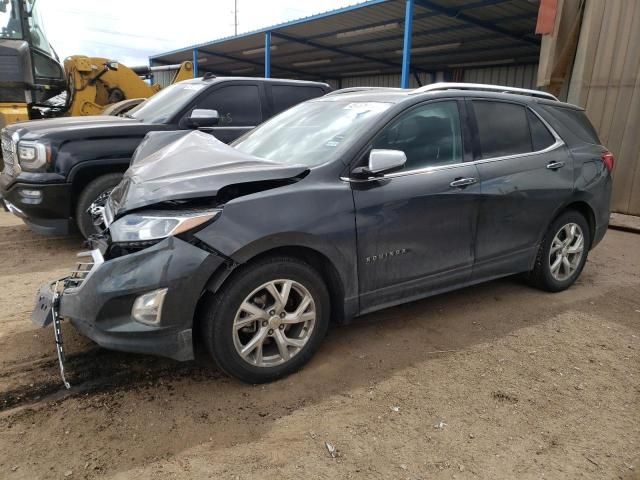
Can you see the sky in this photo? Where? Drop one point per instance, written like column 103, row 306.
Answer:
column 129, row 31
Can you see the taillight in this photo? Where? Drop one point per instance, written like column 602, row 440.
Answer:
column 608, row 159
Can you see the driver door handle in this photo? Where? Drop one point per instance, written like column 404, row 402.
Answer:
column 463, row 182
column 555, row 165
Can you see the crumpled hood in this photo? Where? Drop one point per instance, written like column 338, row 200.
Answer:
column 188, row 165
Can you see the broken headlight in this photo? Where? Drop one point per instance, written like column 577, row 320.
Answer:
column 146, row 226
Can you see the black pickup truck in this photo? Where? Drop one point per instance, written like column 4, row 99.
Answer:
column 54, row 170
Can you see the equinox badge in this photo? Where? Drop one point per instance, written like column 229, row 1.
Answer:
column 385, row 255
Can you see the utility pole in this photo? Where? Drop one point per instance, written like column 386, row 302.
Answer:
column 235, row 17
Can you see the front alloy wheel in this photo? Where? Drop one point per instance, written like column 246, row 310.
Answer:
column 274, row 323
column 267, row 320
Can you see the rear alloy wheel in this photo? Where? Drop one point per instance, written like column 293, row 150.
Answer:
column 562, row 254
column 565, row 254
column 267, row 320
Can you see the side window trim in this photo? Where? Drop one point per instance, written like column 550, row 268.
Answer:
column 418, row 171
column 476, row 141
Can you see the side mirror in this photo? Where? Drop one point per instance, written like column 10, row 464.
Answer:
column 381, row 162
column 202, row 117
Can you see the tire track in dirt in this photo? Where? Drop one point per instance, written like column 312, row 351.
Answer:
column 93, row 371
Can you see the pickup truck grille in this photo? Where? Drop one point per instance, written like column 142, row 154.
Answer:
column 9, row 156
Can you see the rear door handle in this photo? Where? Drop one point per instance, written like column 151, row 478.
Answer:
column 555, row 165
column 463, row 182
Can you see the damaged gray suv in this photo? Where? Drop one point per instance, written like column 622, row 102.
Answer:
column 340, row 206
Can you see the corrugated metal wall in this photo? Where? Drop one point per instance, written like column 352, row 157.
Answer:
column 163, row 78
column 390, row 80
column 606, row 81
column 513, row 76
column 522, row 76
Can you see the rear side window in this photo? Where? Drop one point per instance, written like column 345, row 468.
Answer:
column 237, row 105
column 540, row 135
column 503, row 128
column 576, row 122
column 286, row 96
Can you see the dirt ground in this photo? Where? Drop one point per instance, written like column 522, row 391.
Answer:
column 494, row 381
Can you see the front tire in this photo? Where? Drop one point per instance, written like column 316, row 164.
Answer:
column 97, row 190
column 267, row 320
column 562, row 253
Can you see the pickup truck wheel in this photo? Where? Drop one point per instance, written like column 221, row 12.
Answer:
column 268, row 320
column 96, row 191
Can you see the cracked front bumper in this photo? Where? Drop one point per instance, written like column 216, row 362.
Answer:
column 100, row 305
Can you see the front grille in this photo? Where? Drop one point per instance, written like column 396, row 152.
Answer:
column 83, row 269
column 9, row 156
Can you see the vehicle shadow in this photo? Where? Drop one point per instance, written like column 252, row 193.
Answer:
column 195, row 398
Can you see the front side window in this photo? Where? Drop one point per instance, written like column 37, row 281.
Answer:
column 10, row 26
column 237, row 105
column 312, row 133
column 429, row 135
column 503, row 128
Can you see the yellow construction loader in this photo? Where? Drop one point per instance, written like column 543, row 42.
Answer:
column 33, row 83
column 93, row 84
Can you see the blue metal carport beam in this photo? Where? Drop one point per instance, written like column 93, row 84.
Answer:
column 258, row 64
column 458, row 14
column 434, row 31
column 267, row 55
column 195, row 63
column 468, row 6
column 334, row 49
column 406, row 48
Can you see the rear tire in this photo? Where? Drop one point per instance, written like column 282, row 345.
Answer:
column 562, row 253
column 286, row 332
column 100, row 186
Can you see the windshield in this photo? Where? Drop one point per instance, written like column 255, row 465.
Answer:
column 36, row 27
column 166, row 103
column 10, row 19
column 311, row 133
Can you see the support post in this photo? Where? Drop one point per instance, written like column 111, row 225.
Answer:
column 406, row 49
column 267, row 55
column 195, row 63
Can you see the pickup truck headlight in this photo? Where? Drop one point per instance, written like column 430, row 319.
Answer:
column 145, row 226
column 32, row 155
